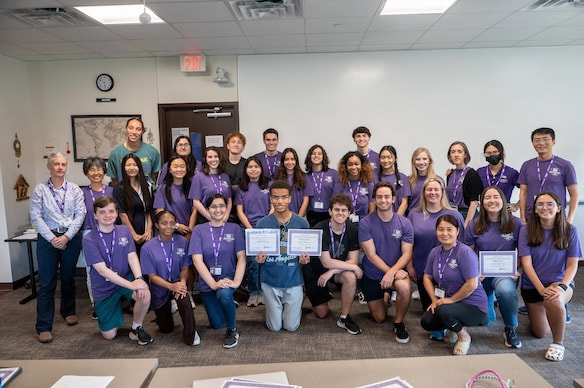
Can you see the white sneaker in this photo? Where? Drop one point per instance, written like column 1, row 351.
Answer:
column 261, row 299
column 173, row 306
column 197, row 340
column 193, row 305
column 416, row 295
column 393, row 296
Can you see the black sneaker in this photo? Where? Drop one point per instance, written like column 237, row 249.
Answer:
column 141, row 336
column 231, row 338
column 512, row 338
column 94, row 315
column 361, row 298
column 401, row 334
column 522, row 310
column 348, row 324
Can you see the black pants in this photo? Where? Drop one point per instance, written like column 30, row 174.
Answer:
column 166, row 323
column 453, row 317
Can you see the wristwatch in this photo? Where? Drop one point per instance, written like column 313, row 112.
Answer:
column 140, row 278
column 563, row 286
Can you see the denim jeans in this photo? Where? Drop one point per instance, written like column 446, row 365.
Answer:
column 253, row 276
column 505, row 289
column 220, row 307
column 49, row 259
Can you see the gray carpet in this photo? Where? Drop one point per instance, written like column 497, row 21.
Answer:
column 315, row 340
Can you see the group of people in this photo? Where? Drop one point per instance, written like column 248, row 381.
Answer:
column 381, row 231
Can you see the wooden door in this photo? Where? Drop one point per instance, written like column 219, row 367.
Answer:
column 206, row 119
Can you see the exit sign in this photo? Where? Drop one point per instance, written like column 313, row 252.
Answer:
column 193, row 63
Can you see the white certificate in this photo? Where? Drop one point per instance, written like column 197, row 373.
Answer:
column 262, row 240
column 497, row 263
column 307, row 241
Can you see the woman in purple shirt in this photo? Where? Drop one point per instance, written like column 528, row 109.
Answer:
column 290, row 172
column 497, row 174
column 357, row 181
column 451, row 278
column 422, row 169
column 549, row 249
column 322, row 180
column 389, row 172
column 495, row 229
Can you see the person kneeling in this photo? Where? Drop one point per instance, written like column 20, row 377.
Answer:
column 115, row 273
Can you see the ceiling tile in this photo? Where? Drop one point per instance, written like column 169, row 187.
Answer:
column 272, row 27
column 475, row 44
column 56, row 48
column 27, row 35
column 437, row 36
column 391, row 37
column 558, row 33
column 34, row 58
column 151, row 31
column 165, row 44
column 336, row 25
column 344, row 39
column 141, row 54
column 340, row 8
column 192, row 11
column 235, row 42
column 15, row 4
column 385, row 47
column 507, row 34
column 277, row 41
column 11, row 49
column 205, row 30
column 68, row 57
column 436, row 46
column 403, row 22
column 577, row 20
column 464, row 21
column 542, row 43
column 472, row 6
column 280, row 50
column 113, row 47
column 78, row 34
column 10, row 22
column 241, row 51
column 534, row 19
column 332, row 49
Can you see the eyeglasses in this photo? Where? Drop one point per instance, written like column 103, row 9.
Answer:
column 216, row 207
column 183, row 145
column 549, row 205
column 487, row 154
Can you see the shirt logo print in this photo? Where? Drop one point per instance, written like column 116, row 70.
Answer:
column 397, row 234
column 555, row 171
column 180, row 252
column 228, row 237
column 453, row 264
column 363, row 191
column 123, row 241
column 328, row 179
column 507, row 236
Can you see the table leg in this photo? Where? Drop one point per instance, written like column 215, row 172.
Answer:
column 32, row 277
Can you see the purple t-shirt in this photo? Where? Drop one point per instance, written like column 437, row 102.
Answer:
column 462, row 265
column 360, row 194
column 164, row 171
column 255, row 201
column 401, row 193
column 298, row 196
column 95, row 252
column 556, row 177
column 387, row 237
column 505, row 179
column 373, row 158
column 493, row 239
column 322, row 184
column 181, row 206
column 205, row 185
column 425, row 235
column 548, row 261
column 153, row 260
column 90, row 196
column 270, row 164
column 231, row 242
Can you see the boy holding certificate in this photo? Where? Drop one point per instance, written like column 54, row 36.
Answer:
column 280, row 275
column 339, row 262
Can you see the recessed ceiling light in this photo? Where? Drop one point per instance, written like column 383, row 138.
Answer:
column 410, row 7
column 119, row 14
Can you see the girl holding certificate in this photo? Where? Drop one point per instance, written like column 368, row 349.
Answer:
column 495, row 229
column 549, row 249
column 388, row 172
column 252, row 201
column 290, row 171
column 322, row 180
column 218, row 252
column 451, row 278
column 357, row 181
column 422, row 169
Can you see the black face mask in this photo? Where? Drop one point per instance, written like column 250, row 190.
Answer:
column 493, row 159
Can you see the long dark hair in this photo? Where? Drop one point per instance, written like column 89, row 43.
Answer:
column 325, row 159
column 366, row 175
column 482, row 222
column 221, row 167
column 168, row 179
column 126, row 186
column 262, row 181
column 562, row 228
column 190, row 159
column 297, row 177
column 391, row 150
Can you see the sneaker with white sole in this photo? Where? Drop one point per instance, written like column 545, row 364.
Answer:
column 141, row 336
column 512, row 339
column 193, row 305
column 348, row 324
column 401, row 334
column 253, row 300
column 261, row 299
column 416, row 295
column 231, row 338
column 173, row 306
column 197, row 340
column 361, row 297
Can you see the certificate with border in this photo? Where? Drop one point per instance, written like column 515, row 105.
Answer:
column 266, row 241
column 308, row 241
column 497, row 263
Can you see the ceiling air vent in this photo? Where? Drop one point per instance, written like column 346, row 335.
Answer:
column 259, row 10
column 556, row 5
column 50, row 17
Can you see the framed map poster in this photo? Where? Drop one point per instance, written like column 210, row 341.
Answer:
column 98, row 135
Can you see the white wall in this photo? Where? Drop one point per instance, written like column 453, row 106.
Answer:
column 416, row 98
column 15, row 111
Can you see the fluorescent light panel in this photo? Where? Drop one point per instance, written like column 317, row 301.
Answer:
column 118, row 14
column 411, row 7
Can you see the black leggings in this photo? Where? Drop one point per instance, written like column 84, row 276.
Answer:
column 453, row 317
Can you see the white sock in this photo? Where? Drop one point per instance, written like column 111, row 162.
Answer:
column 342, row 316
column 135, row 325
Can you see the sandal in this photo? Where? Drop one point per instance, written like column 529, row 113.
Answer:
column 555, row 352
column 461, row 348
column 450, row 337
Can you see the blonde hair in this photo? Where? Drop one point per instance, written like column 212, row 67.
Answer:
column 423, row 206
column 430, row 173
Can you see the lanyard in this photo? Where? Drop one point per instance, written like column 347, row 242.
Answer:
column 220, row 187
column 217, row 246
column 355, row 196
column 487, row 173
column 458, row 182
column 167, row 258
column 93, row 196
column 547, row 171
column 336, row 254
column 109, row 254
column 318, row 186
column 60, row 204
column 440, row 269
column 267, row 159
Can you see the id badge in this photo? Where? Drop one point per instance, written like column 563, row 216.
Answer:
column 215, row 270
column 455, row 207
column 438, row 292
column 354, row 218
column 319, row 205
